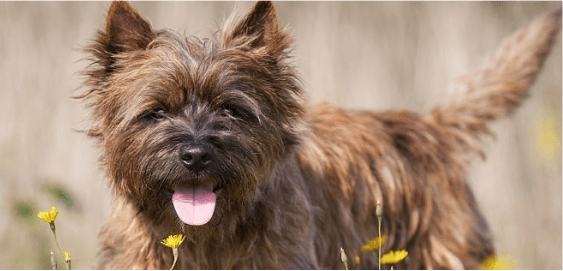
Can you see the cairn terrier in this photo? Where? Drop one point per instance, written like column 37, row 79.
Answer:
column 212, row 138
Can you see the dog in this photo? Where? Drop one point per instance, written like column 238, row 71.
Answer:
column 212, row 138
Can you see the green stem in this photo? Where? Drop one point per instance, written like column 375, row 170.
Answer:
column 379, row 227
column 53, row 261
column 344, row 258
column 67, row 265
column 175, row 253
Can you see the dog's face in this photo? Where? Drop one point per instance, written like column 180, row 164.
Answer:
column 190, row 128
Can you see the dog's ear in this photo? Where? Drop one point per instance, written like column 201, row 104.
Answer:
column 126, row 30
column 260, row 27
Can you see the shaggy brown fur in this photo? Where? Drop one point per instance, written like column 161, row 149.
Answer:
column 294, row 183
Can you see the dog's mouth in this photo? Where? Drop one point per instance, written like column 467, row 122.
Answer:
column 195, row 203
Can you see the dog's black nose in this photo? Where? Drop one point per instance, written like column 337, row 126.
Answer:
column 196, row 156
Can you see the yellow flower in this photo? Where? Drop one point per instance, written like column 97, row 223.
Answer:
column 393, row 257
column 494, row 262
column 173, row 241
column 548, row 136
column 373, row 245
column 67, row 256
column 49, row 217
column 357, row 259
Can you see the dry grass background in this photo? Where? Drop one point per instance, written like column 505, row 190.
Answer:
column 370, row 55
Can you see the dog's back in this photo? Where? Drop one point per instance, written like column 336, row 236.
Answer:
column 416, row 164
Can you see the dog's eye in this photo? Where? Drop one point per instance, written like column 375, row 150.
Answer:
column 234, row 112
column 230, row 111
column 155, row 115
column 239, row 113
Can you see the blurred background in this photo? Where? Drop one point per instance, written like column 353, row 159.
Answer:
column 367, row 55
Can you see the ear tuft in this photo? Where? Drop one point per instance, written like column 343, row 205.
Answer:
column 126, row 30
column 261, row 22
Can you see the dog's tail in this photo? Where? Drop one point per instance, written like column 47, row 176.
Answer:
column 499, row 86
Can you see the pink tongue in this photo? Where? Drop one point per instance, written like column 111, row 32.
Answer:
column 194, row 206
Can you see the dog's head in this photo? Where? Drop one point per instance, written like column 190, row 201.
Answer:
column 192, row 123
